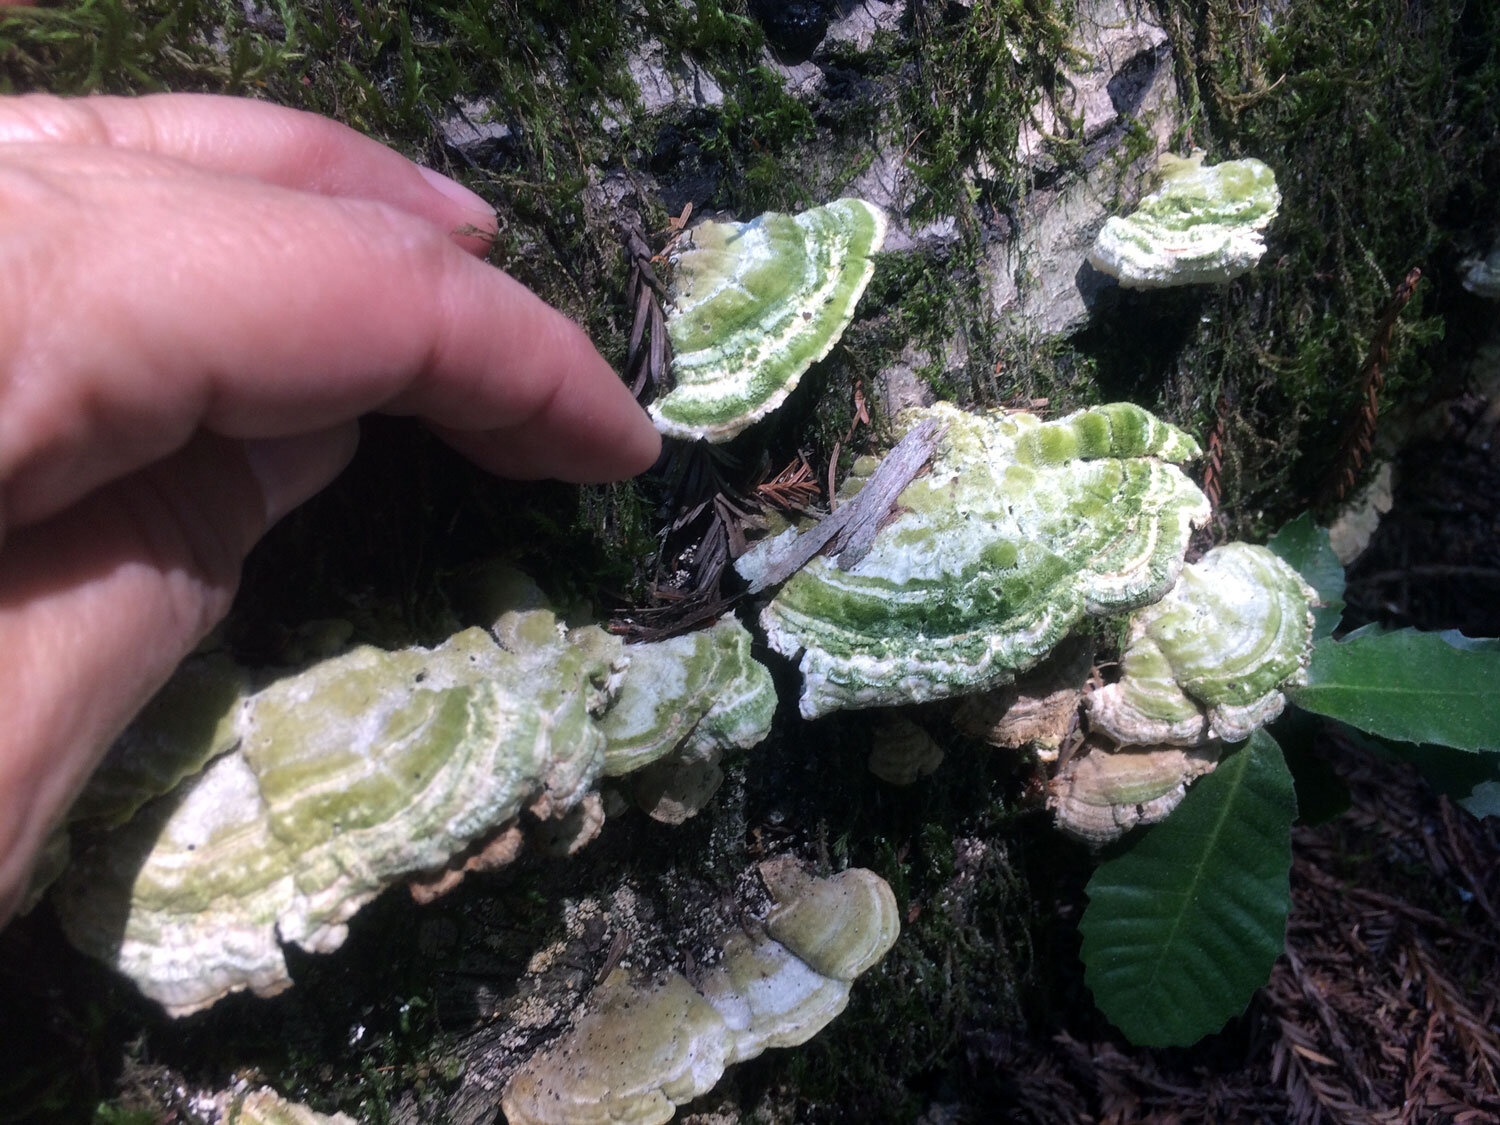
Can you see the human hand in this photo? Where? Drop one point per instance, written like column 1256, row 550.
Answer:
column 198, row 296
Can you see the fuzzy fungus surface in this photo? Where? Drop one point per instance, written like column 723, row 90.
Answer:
column 755, row 305
column 1021, row 529
column 1209, row 660
column 1203, row 224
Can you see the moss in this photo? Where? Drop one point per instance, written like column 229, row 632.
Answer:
column 975, row 74
column 1382, row 122
column 108, row 46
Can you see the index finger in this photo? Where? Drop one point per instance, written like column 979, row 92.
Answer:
column 238, row 136
column 145, row 307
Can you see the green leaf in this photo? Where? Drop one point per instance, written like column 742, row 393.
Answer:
column 1304, row 545
column 1485, row 800
column 1183, row 928
column 1416, row 687
column 1472, row 780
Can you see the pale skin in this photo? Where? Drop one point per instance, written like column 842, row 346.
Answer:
column 198, row 298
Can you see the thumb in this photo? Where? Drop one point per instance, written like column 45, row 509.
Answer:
column 99, row 603
column 292, row 469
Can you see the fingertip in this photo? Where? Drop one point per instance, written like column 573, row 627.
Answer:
column 455, row 192
column 643, row 447
column 583, row 456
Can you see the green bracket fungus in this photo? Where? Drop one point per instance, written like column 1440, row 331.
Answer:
column 692, row 696
column 642, row 1052
column 1205, row 664
column 647, row 1048
column 684, row 702
column 345, row 778
column 373, row 768
column 755, row 305
column 1209, row 660
column 1019, row 531
column 1202, row 224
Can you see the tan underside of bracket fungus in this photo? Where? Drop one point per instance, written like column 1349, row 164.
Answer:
column 266, row 1107
column 1100, row 794
column 646, row 1048
column 1203, row 666
column 1037, row 712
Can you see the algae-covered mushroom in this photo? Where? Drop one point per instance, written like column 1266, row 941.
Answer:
column 1210, row 659
column 646, row 1048
column 366, row 770
column 682, row 704
column 1019, row 531
column 754, row 306
column 694, row 695
column 343, row 779
column 1202, row 224
column 1203, row 666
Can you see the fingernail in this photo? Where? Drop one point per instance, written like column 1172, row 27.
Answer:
column 456, row 192
column 290, row 470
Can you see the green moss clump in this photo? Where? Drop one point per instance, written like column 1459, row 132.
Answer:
column 1382, row 122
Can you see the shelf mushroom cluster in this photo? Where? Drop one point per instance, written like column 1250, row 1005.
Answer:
column 243, row 811
column 252, row 816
